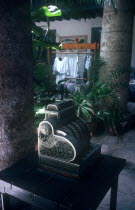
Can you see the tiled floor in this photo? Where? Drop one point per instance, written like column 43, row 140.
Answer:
column 124, row 149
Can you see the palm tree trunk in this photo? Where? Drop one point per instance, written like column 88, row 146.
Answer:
column 16, row 103
column 116, row 43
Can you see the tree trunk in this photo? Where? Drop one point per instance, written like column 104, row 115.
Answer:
column 116, row 44
column 16, row 103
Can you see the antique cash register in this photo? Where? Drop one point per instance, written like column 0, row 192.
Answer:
column 64, row 141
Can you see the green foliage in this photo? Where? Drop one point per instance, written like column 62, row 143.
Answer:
column 39, row 115
column 39, row 111
column 107, row 107
column 84, row 107
column 100, row 103
column 41, row 72
column 94, row 70
column 42, row 44
column 109, row 2
column 39, row 42
column 100, row 100
column 43, row 12
column 41, row 82
column 101, row 94
column 38, row 31
column 116, row 78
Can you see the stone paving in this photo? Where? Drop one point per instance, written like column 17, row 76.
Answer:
column 123, row 149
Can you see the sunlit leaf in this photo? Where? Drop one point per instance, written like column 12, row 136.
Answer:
column 53, row 45
column 43, row 12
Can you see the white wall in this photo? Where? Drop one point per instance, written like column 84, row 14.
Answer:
column 133, row 47
column 75, row 27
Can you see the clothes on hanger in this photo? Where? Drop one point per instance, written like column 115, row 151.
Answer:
column 61, row 68
column 81, row 64
column 70, row 65
column 67, row 66
column 88, row 59
column 87, row 65
column 73, row 64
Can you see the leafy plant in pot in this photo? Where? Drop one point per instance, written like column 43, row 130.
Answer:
column 104, row 105
column 84, row 109
column 111, row 115
column 101, row 104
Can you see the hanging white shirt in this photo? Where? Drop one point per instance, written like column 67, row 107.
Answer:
column 61, row 67
column 73, row 65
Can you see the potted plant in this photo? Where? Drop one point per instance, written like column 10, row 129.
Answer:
column 84, row 109
column 100, row 103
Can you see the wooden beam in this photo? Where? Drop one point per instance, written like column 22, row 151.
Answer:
column 92, row 46
column 49, row 63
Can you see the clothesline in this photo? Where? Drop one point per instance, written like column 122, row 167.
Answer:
column 78, row 47
column 70, row 67
column 73, row 52
column 76, row 78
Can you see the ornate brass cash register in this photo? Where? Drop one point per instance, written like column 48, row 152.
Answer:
column 64, row 141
